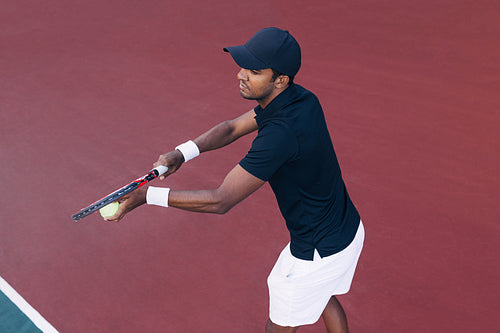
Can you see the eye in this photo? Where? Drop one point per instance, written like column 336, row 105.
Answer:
column 254, row 71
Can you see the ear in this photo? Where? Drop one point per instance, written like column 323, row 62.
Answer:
column 282, row 81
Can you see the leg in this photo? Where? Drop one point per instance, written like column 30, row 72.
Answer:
column 273, row 328
column 334, row 317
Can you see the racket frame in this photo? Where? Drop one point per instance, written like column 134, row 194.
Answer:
column 95, row 206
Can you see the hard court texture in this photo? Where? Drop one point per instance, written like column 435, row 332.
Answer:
column 91, row 92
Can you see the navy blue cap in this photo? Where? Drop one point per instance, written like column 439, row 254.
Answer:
column 269, row 48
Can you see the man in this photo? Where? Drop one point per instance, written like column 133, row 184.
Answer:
column 294, row 152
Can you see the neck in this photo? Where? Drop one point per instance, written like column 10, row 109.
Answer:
column 269, row 98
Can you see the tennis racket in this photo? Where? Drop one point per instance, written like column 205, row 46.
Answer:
column 155, row 173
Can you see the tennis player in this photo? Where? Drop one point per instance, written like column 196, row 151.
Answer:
column 294, row 153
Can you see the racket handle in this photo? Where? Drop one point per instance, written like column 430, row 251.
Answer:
column 161, row 169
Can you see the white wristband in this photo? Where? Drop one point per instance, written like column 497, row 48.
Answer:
column 157, row 196
column 189, row 150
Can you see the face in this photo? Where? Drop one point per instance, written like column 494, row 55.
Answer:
column 256, row 84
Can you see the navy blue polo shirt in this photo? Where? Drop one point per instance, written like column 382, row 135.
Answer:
column 294, row 152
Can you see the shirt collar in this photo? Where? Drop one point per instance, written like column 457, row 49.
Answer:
column 276, row 104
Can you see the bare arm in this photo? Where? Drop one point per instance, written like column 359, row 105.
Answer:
column 226, row 132
column 217, row 137
column 237, row 185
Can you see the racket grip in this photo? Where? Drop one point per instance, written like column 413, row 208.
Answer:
column 160, row 170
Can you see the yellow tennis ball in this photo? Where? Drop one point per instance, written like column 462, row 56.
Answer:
column 109, row 210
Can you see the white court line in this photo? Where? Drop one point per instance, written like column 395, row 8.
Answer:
column 28, row 310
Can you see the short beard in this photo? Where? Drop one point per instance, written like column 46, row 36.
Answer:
column 257, row 98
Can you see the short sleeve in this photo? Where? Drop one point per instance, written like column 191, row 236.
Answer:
column 273, row 146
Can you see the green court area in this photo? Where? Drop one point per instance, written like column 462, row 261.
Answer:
column 17, row 316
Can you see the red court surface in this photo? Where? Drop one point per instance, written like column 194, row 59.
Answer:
column 91, row 92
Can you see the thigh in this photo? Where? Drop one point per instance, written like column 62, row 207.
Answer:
column 296, row 292
column 273, row 328
column 299, row 290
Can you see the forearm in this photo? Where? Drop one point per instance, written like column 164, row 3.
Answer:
column 237, row 185
column 217, row 137
column 201, row 201
column 226, row 132
column 205, row 201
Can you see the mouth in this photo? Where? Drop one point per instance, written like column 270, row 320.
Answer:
column 243, row 87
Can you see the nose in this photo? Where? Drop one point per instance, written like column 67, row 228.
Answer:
column 242, row 74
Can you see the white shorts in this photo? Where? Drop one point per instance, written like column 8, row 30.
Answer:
column 299, row 290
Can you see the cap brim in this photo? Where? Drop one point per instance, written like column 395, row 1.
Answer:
column 244, row 58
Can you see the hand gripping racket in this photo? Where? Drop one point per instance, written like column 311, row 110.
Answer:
column 155, row 173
